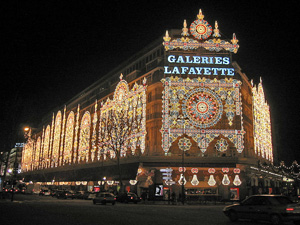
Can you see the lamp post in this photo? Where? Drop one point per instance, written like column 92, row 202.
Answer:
column 184, row 145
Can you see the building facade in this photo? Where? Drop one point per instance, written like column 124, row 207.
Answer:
column 178, row 115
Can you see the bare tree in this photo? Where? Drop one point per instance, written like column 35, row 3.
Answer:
column 122, row 126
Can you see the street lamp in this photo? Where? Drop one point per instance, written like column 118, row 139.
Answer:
column 184, row 145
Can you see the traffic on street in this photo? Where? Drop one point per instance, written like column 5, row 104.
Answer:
column 38, row 209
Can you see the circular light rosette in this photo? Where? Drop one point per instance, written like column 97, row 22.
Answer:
column 201, row 29
column 203, row 107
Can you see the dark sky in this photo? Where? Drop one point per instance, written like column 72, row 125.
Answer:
column 52, row 50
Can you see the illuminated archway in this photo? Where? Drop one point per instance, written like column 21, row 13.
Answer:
column 69, row 138
column 84, row 137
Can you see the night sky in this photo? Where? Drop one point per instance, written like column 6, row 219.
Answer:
column 52, row 50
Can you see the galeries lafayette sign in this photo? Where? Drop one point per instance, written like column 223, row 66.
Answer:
column 207, row 65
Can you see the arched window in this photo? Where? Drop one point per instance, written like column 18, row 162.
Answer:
column 69, row 139
column 45, row 155
column 84, row 137
column 56, row 140
column 37, row 153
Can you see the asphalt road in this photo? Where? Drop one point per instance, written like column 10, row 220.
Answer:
column 45, row 210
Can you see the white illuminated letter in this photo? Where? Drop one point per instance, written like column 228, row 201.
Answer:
column 218, row 60
column 207, row 71
column 230, row 72
column 226, row 60
column 167, row 71
column 192, row 71
column 180, row 59
column 171, row 58
column 197, row 59
column 188, row 60
column 176, row 70
column 184, row 69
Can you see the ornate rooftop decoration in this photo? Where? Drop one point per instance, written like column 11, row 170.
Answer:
column 200, row 34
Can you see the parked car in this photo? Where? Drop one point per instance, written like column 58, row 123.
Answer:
column 104, row 197
column 274, row 208
column 79, row 195
column 45, row 192
column 65, row 194
column 91, row 195
column 86, row 194
column 53, row 193
column 128, row 197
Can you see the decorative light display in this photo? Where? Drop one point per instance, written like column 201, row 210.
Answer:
column 75, row 155
column 37, row 153
column 182, row 180
column 94, row 134
column 201, row 32
column 225, row 180
column 200, row 28
column 122, row 123
column 221, row 145
column 237, row 181
column 56, row 141
column 204, row 103
column 184, row 144
column 211, row 180
column 49, row 160
column 262, row 124
column 62, row 138
column 84, row 141
column 195, row 180
column 194, row 170
column 45, row 156
column 203, row 107
column 133, row 182
column 69, row 138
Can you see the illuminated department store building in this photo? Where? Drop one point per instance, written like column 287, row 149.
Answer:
column 180, row 94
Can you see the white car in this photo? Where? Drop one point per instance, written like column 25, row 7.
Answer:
column 104, row 197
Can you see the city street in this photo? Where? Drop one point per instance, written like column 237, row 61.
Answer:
column 33, row 209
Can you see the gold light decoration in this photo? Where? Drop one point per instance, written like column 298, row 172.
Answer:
column 201, row 37
column 84, row 137
column 37, row 153
column 122, row 122
column 204, row 103
column 262, row 124
column 56, row 140
column 69, row 138
column 45, row 155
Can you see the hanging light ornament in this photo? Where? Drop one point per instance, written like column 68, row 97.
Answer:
column 237, row 181
column 211, row 180
column 182, row 179
column 195, row 180
column 225, row 180
column 133, row 182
